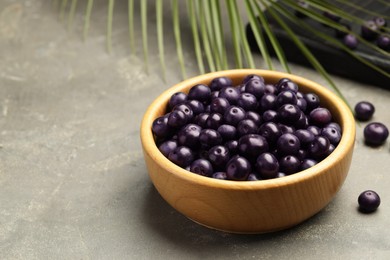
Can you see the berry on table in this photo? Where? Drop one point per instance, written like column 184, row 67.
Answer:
column 375, row 134
column 368, row 201
column 364, row 110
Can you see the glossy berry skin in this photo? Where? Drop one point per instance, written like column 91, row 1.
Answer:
column 270, row 131
column 227, row 132
column 252, row 145
column 253, row 177
column 302, row 122
column 186, row 109
column 189, row 135
column 267, row 101
column 214, row 120
column 333, row 135
column 252, row 76
column 232, row 145
column 233, row 115
column 219, row 105
column 368, row 201
column 289, row 113
column 383, row 42
column 319, row 147
column 246, row 126
column 201, row 119
column 267, row 166
column 219, row 175
column 288, row 144
column 286, row 97
column 177, row 118
column 181, row 156
column 288, row 85
column 286, row 128
column 312, row 101
column 255, row 87
column 238, row 168
column 307, row 163
column 289, row 164
column 219, row 155
column 209, row 138
column 314, row 129
column 230, row 93
column 302, row 104
column 196, row 106
column 168, row 146
column 351, row 41
column 176, row 99
column 255, row 117
column 200, row 92
column 247, row 101
column 334, row 125
column 305, row 137
column 202, row 167
column 160, row 126
column 369, row 30
column 375, row 134
column 219, row 83
column 320, row 116
column 270, row 116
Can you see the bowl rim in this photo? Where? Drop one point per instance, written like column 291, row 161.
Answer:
column 346, row 143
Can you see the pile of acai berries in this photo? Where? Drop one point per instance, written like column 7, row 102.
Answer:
column 252, row 131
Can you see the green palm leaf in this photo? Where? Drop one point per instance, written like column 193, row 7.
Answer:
column 209, row 36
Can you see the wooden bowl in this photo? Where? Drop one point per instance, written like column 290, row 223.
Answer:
column 250, row 206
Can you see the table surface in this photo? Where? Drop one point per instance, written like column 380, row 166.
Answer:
column 73, row 183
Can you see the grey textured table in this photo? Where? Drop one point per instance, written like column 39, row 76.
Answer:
column 73, row 184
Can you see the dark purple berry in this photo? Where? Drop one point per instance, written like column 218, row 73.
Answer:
column 176, row 99
column 368, row 201
column 288, row 85
column 383, row 42
column 319, row 147
column 380, row 22
column 375, row 134
column 334, row 125
column 247, row 101
column 219, row 83
column 302, row 104
column 286, row 97
column 342, row 33
column 270, row 131
column 186, row 109
column 160, row 126
column 302, row 122
column 196, row 106
column 167, row 147
column 233, row 115
column 268, row 101
column 219, row 175
column 289, row 113
column 238, row 168
column 251, row 77
column 351, row 41
column 230, row 93
column 202, row 167
column 209, row 138
column 219, row 105
column 270, row 89
column 200, row 92
column 219, row 155
column 320, row 116
column 255, row 87
column 305, row 137
column 232, row 145
column 267, row 166
column 288, row 144
column 246, row 126
column 333, row 135
column 286, row 128
column 312, row 101
column 181, row 156
column 270, row 116
column 214, row 120
column 255, row 117
column 369, row 30
column 289, row 164
column 189, row 135
column 253, row 177
column 307, row 163
column 228, row 132
column 252, row 145
column 177, row 118
column 201, row 119
column 314, row 129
